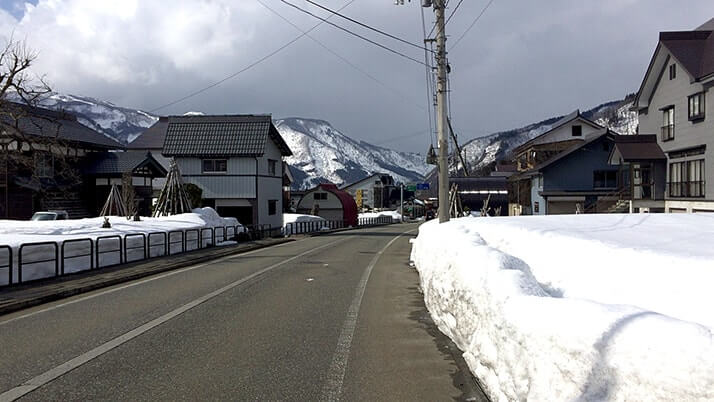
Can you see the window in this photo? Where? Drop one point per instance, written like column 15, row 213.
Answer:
column 536, row 207
column 686, row 179
column 272, row 167
column 215, row 166
column 696, row 106
column 577, row 131
column 672, row 71
column 44, row 164
column 605, row 179
column 320, row 196
column 668, row 124
column 272, row 207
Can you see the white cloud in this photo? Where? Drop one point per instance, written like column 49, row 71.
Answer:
column 133, row 42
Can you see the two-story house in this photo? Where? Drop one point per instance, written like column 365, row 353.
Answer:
column 672, row 103
column 566, row 133
column 236, row 160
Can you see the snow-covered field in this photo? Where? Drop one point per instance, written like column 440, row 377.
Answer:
column 17, row 233
column 577, row 307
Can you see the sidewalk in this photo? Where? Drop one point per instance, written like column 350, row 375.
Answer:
column 19, row 297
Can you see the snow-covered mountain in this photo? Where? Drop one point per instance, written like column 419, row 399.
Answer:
column 480, row 154
column 322, row 153
column 122, row 124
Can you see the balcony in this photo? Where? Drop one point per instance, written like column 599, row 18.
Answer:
column 668, row 132
column 686, row 189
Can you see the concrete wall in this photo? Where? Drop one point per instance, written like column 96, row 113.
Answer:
column 687, row 134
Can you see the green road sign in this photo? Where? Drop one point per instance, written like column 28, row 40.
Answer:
column 411, row 187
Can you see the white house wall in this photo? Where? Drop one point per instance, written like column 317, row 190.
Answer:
column 270, row 187
column 565, row 133
column 687, row 134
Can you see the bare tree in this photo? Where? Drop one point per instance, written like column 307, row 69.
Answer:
column 128, row 195
column 32, row 148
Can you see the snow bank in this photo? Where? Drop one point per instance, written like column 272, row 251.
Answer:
column 296, row 218
column 395, row 215
column 586, row 307
column 16, row 233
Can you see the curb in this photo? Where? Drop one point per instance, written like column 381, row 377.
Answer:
column 10, row 306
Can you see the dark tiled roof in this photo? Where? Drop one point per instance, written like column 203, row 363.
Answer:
column 694, row 49
column 153, row 137
column 35, row 121
column 231, row 135
column 117, row 163
column 639, row 147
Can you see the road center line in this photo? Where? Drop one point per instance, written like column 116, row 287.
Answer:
column 332, row 390
column 70, row 365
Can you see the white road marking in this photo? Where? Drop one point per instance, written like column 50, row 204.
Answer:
column 332, row 390
column 141, row 282
column 64, row 368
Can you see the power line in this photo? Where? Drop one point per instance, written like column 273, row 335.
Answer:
column 368, row 75
column 367, row 26
column 262, row 59
column 352, row 33
column 429, row 95
column 448, row 19
column 472, row 24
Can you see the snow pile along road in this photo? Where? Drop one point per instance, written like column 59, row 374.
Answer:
column 289, row 221
column 395, row 215
column 36, row 259
column 579, row 307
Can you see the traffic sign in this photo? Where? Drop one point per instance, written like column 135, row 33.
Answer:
column 411, row 187
column 422, row 186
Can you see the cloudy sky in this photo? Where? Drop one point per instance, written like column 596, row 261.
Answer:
column 523, row 61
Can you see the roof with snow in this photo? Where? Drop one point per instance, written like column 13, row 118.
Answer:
column 23, row 120
column 118, row 163
column 228, row 135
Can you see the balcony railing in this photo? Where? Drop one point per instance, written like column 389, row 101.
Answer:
column 668, row 132
column 686, row 189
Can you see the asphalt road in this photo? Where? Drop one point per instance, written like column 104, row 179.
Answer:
column 324, row 318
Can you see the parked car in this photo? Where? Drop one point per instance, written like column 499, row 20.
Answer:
column 50, row 216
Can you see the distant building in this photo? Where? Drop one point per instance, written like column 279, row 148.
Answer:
column 236, row 160
column 329, row 202
column 672, row 104
column 373, row 192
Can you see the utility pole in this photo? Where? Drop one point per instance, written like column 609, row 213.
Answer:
column 441, row 113
column 401, row 202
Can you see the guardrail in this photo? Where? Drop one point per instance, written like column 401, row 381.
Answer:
column 57, row 258
column 75, row 255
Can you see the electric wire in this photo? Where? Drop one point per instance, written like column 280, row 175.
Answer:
column 429, row 95
column 248, row 67
column 449, row 18
column 472, row 24
column 353, row 33
column 344, row 59
column 366, row 26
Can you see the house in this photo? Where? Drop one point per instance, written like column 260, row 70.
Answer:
column 580, row 179
column 672, row 103
column 373, row 192
column 236, row 160
column 642, row 171
column 103, row 169
column 473, row 192
column 564, row 134
column 42, row 150
column 327, row 201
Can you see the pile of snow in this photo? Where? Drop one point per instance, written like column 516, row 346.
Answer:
column 289, row 221
column 395, row 215
column 579, row 307
column 17, row 233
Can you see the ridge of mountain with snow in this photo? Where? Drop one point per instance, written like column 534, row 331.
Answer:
column 481, row 154
column 322, row 153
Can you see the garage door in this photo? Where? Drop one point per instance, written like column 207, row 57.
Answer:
column 561, row 207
